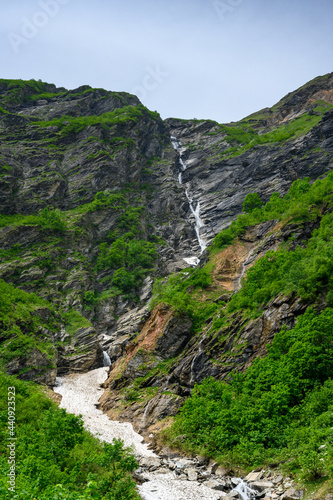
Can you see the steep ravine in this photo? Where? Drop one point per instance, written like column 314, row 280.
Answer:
column 86, row 172
column 161, row 479
column 165, row 477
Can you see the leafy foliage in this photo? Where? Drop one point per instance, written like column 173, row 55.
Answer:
column 306, row 270
column 55, row 457
column 175, row 292
column 69, row 125
column 252, row 201
column 301, row 203
column 130, row 255
column 269, row 410
column 20, row 323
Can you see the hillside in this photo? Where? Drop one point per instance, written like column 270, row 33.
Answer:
column 184, row 249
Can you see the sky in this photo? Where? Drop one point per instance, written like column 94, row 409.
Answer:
column 207, row 59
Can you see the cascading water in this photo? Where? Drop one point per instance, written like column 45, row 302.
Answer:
column 195, row 208
column 244, row 490
column 106, row 359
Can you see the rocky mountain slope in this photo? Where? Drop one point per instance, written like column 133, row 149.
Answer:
column 97, row 201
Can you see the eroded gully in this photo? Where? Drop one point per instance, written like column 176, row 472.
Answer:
column 165, row 479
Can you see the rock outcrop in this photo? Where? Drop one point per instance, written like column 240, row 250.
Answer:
column 60, row 148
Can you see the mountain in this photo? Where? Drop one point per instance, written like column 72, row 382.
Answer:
column 126, row 233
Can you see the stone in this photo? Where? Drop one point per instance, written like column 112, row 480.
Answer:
column 139, row 478
column 214, row 485
column 262, row 485
column 192, row 474
column 232, row 495
column 293, row 494
column 212, row 467
column 221, row 471
column 202, row 460
column 254, row 476
column 151, row 463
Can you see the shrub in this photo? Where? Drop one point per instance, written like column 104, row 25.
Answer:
column 252, row 201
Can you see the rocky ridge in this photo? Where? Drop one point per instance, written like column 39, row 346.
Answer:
column 60, row 148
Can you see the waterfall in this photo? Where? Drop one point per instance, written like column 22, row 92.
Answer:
column 244, row 490
column 197, row 356
column 195, row 208
column 106, row 359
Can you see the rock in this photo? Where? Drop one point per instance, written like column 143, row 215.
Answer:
column 151, row 463
column 87, row 353
column 183, row 463
column 232, row 495
column 33, row 366
column 212, row 467
column 176, row 334
column 192, row 474
column 254, row 476
column 293, row 494
column 213, row 484
column 202, row 460
column 139, row 478
column 221, row 471
column 262, row 485
column 168, row 453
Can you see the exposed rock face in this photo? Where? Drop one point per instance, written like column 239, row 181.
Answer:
column 212, row 354
column 50, row 160
column 222, row 184
column 92, row 357
column 34, row 366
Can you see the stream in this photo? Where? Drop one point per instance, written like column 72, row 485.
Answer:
column 194, row 206
column 80, row 394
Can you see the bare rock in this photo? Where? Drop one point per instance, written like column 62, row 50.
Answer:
column 151, row 463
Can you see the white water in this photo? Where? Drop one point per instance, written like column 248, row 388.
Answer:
column 195, row 209
column 244, row 490
column 200, row 350
column 106, row 359
column 198, row 221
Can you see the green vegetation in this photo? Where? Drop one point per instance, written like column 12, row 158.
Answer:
column 242, row 136
column 55, row 457
column 27, row 325
column 175, row 292
column 252, row 201
column 130, row 255
column 48, row 220
column 306, row 271
column 73, row 321
column 68, row 125
column 16, row 91
column 21, row 322
column 281, row 409
column 302, row 203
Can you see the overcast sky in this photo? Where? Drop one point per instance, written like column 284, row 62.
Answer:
column 217, row 59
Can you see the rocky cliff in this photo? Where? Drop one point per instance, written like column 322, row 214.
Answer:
column 87, row 172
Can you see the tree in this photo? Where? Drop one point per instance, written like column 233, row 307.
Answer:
column 252, row 201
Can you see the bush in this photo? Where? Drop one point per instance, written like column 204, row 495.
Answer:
column 52, row 220
column 282, row 405
column 252, row 201
column 55, row 457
